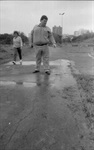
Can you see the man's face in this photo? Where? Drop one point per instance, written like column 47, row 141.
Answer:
column 43, row 22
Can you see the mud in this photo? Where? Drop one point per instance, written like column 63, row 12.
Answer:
column 86, row 87
column 80, row 101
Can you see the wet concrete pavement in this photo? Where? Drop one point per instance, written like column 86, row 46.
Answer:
column 34, row 112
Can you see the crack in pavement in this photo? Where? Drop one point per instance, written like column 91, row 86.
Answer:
column 17, row 127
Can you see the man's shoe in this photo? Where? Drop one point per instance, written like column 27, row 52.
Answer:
column 14, row 62
column 36, row 71
column 47, row 72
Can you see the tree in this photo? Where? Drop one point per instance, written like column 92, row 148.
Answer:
column 6, row 38
column 58, row 38
column 24, row 38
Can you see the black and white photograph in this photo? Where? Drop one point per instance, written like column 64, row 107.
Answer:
column 46, row 75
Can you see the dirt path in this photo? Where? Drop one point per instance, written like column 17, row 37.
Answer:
column 40, row 112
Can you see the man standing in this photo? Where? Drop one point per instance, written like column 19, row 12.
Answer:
column 41, row 36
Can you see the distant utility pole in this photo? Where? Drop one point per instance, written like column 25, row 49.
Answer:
column 62, row 22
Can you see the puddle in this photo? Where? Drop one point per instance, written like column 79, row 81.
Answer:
column 12, row 83
column 62, row 76
column 23, row 63
column 91, row 55
column 27, row 63
column 5, row 83
column 25, row 80
column 27, row 84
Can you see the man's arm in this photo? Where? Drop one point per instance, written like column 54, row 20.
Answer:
column 51, row 38
column 32, row 33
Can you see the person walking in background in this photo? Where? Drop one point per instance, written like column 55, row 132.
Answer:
column 41, row 36
column 17, row 45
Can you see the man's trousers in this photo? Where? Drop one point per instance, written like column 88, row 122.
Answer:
column 42, row 54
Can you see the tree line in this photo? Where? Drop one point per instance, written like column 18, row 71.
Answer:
column 72, row 38
column 8, row 38
column 79, row 38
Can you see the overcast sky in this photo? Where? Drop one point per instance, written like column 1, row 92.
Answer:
column 23, row 15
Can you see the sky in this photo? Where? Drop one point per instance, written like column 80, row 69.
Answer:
column 24, row 15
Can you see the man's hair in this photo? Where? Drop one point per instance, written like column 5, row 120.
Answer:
column 16, row 32
column 43, row 17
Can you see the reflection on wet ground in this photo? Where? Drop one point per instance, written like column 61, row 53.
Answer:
column 60, row 77
column 39, row 80
column 12, row 83
column 52, row 63
column 7, row 83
